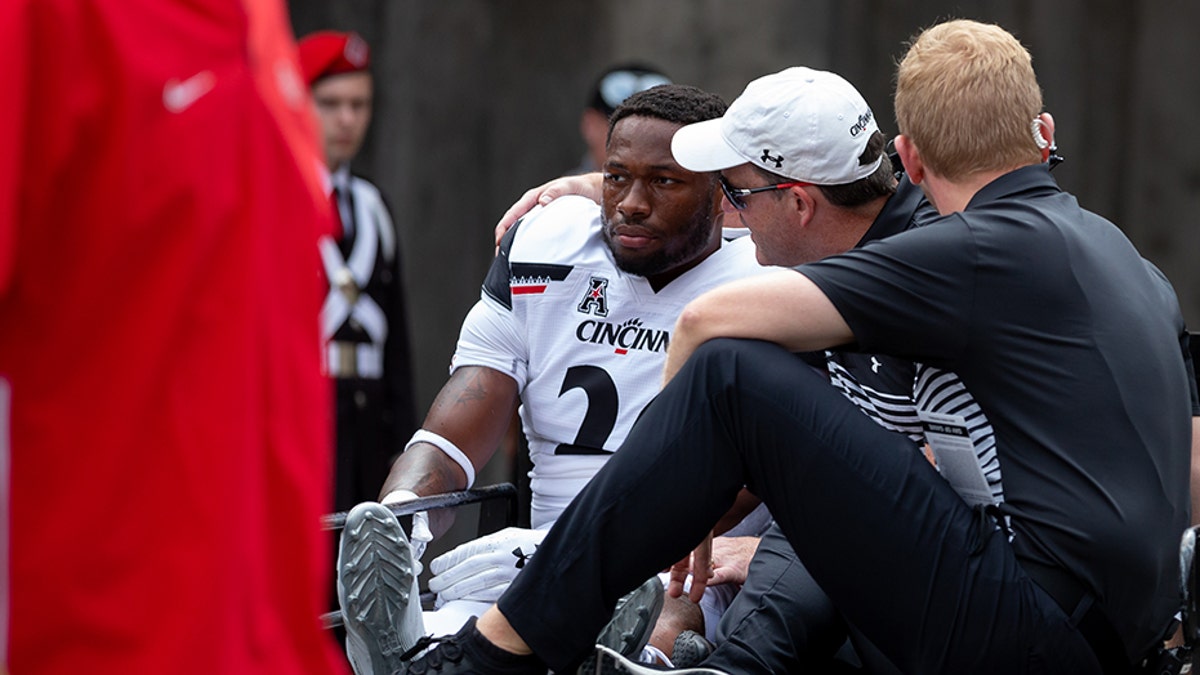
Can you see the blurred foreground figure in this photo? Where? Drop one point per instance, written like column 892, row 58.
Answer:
column 162, row 411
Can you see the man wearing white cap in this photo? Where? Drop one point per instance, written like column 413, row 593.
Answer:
column 1067, row 339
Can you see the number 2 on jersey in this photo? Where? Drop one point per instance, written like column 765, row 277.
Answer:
column 601, row 415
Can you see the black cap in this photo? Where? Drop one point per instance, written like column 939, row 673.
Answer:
column 620, row 82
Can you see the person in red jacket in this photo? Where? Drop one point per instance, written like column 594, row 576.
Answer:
column 164, row 424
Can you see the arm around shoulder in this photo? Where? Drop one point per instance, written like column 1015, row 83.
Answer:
column 590, row 185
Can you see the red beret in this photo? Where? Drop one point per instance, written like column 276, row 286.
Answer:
column 330, row 52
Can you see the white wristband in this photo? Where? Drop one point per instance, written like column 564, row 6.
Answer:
column 451, row 450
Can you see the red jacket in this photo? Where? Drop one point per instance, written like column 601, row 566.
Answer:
column 161, row 406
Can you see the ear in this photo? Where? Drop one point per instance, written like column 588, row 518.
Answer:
column 805, row 204
column 910, row 157
column 1046, row 130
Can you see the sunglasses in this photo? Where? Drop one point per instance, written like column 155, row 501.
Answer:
column 736, row 195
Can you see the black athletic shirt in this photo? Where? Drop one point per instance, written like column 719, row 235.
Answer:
column 1070, row 344
column 882, row 386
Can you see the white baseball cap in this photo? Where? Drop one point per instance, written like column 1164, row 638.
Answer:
column 809, row 125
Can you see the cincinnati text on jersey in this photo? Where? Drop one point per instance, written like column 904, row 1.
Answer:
column 624, row 336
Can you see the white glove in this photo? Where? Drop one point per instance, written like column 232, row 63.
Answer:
column 482, row 569
column 420, row 536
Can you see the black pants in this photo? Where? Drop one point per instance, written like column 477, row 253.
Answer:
column 781, row 621
column 901, row 556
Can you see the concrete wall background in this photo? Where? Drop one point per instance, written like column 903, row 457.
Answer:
column 478, row 100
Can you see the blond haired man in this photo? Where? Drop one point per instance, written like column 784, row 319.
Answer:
column 1067, row 339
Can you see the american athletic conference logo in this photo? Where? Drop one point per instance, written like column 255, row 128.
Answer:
column 595, row 299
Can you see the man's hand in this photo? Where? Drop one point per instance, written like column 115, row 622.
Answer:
column 731, row 559
column 420, row 536
column 699, row 565
column 589, row 185
column 482, row 569
column 719, row 560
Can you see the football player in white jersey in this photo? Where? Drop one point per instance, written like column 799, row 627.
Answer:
column 572, row 327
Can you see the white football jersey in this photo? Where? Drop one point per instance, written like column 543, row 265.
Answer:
column 584, row 341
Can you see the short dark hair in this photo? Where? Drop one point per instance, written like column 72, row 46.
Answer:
column 678, row 103
column 881, row 182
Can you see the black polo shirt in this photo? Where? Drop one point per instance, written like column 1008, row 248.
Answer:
column 1070, row 344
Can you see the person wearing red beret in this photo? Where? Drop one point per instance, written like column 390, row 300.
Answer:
column 363, row 319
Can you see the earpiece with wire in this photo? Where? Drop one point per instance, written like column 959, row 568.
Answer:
column 1053, row 158
column 1036, row 127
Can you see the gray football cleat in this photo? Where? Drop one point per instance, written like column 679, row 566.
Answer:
column 381, row 608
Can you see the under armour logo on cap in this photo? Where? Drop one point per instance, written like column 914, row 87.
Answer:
column 766, row 157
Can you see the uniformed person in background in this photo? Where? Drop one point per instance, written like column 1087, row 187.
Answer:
column 363, row 318
column 617, row 83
